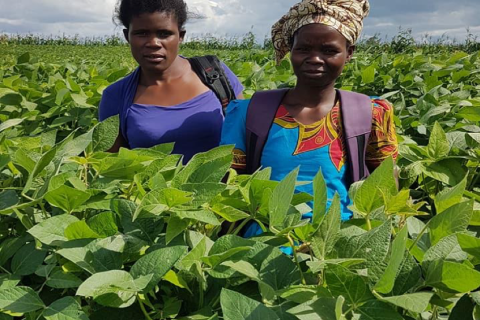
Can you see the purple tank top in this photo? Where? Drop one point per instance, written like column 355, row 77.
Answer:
column 194, row 126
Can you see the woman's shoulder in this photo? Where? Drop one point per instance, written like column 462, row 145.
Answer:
column 238, row 105
column 121, row 85
column 381, row 104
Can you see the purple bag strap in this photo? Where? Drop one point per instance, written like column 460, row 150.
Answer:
column 356, row 110
column 260, row 115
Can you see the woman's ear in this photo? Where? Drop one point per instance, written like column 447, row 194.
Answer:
column 182, row 35
column 125, row 34
column 350, row 51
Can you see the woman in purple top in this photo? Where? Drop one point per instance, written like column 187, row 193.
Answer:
column 163, row 100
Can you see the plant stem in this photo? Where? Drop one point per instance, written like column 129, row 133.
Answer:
column 434, row 313
column 5, row 270
column 472, row 195
column 240, row 227
column 86, row 174
column 419, row 235
column 230, row 229
column 369, row 223
column 142, row 307
column 292, row 244
column 475, row 179
column 45, row 214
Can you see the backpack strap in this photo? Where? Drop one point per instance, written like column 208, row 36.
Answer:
column 356, row 110
column 211, row 73
column 260, row 115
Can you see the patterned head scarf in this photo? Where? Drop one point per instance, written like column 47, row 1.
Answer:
column 344, row 15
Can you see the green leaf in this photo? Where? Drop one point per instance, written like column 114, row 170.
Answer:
column 325, row 237
column 105, row 134
column 199, row 216
column 27, row 260
column 318, row 266
column 115, row 288
column 103, row 224
column 175, row 279
column 376, row 310
column 194, row 256
column 236, row 306
column 229, row 213
column 387, row 281
column 216, row 259
column 174, row 197
column 20, row 300
column 447, row 249
column 342, row 281
column 414, row 302
column 372, row 246
column 4, row 160
column 9, row 281
column 8, row 199
column 274, row 261
column 452, row 277
column 210, row 166
column 157, row 263
column 24, row 58
column 247, row 269
column 95, row 255
column 203, row 192
column 10, row 123
column 67, row 198
column 65, row 309
column 281, row 199
column 302, row 293
column 175, row 227
column 463, row 309
column 449, row 171
column 409, row 276
column 80, row 230
column 320, row 198
column 52, row 231
column 320, row 309
column 450, row 196
column 469, row 113
column 381, row 184
column 44, row 161
column 157, row 202
column 469, row 244
column 10, row 246
column 452, row 220
column 368, row 74
column 63, row 280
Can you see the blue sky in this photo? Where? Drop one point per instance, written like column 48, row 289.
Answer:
column 236, row 17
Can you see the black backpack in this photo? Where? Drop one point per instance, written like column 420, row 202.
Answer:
column 211, row 73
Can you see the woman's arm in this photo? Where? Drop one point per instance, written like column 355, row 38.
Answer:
column 383, row 138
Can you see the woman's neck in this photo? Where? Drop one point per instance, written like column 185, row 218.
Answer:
column 311, row 96
column 175, row 71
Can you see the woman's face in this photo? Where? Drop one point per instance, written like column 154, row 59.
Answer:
column 154, row 40
column 318, row 55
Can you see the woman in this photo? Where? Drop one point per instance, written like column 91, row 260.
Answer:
column 163, row 100
column 307, row 129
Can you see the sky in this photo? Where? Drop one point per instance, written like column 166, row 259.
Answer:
column 93, row 18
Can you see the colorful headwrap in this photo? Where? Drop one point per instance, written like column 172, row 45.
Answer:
column 344, row 15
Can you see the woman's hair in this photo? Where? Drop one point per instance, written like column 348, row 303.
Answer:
column 125, row 10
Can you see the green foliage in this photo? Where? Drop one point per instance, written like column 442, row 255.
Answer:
column 84, row 233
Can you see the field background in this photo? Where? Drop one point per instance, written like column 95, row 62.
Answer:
column 71, row 246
